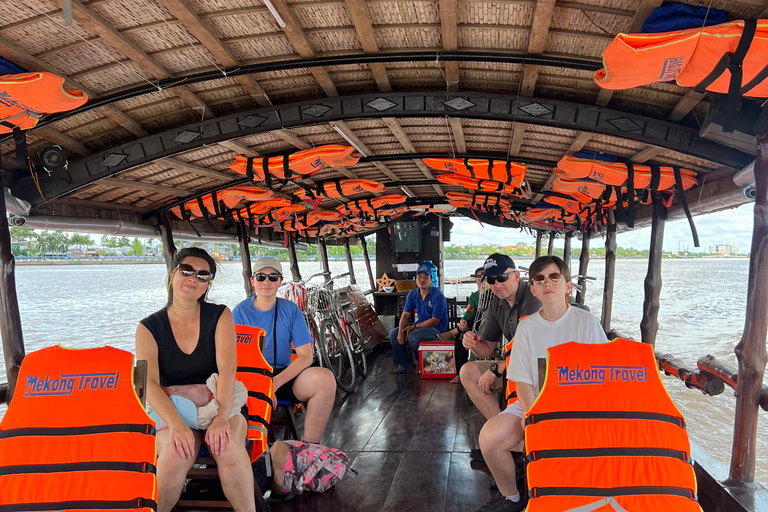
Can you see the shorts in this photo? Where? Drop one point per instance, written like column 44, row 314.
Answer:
column 516, row 409
column 484, row 366
column 286, row 390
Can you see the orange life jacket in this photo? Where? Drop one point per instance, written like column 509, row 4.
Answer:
column 302, row 163
column 76, row 432
column 256, row 374
column 510, row 392
column 603, row 429
column 569, row 205
column 485, row 202
column 25, row 97
column 370, row 205
column 697, row 57
column 256, row 210
column 511, row 173
column 210, row 206
column 616, row 173
column 308, row 219
column 478, row 184
column 338, row 188
column 551, row 218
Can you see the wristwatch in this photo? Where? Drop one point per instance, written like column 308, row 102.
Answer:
column 494, row 370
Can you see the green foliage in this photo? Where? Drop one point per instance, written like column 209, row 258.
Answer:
column 136, row 248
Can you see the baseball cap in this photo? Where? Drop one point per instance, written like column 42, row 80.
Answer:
column 478, row 272
column 496, row 264
column 423, row 268
column 263, row 263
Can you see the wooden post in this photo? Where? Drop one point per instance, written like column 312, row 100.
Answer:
column 610, row 270
column 245, row 238
column 551, row 244
column 751, row 352
column 368, row 263
column 538, row 243
column 348, row 252
column 567, row 248
column 322, row 251
column 649, row 325
column 583, row 264
column 10, row 326
column 292, row 260
column 166, row 235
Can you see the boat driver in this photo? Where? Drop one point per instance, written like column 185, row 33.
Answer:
column 512, row 300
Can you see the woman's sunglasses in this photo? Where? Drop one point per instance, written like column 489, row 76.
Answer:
column 203, row 276
column 501, row 278
column 554, row 278
column 273, row 278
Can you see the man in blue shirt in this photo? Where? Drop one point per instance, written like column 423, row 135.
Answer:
column 431, row 319
column 295, row 381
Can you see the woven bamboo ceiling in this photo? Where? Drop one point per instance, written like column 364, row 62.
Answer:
column 397, row 77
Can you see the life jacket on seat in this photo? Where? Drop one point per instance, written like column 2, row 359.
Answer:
column 256, row 374
column 25, row 97
column 338, row 188
column 510, row 390
column 210, row 205
column 505, row 171
column 75, row 436
column 603, row 431
column 302, row 163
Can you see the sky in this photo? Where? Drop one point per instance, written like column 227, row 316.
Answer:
column 732, row 226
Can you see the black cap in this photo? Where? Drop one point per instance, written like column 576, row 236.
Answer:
column 496, row 264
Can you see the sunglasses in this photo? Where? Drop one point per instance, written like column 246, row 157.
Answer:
column 273, row 278
column 554, row 278
column 203, row 276
column 501, row 278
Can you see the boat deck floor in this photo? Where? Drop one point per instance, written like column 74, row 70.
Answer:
column 408, row 439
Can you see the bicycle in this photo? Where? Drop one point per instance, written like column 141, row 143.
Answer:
column 297, row 292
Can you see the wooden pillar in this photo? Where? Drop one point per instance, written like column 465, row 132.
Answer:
column 348, row 253
column 567, row 248
column 368, row 263
column 293, row 260
column 322, row 251
column 649, row 325
column 751, row 352
column 245, row 238
column 166, row 236
column 583, row 264
column 10, row 325
column 610, row 270
column 551, row 244
column 538, row 243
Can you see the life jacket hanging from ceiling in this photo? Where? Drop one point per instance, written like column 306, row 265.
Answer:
column 479, row 184
column 338, row 188
column 505, row 171
column 302, row 163
column 256, row 374
column 210, row 204
column 75, row 436
column 26, row 97
column 491, row 203
column 305, row 220
column 603, row 434
column 370, row 205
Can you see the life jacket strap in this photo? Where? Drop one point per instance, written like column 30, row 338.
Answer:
column 631, row 194
column 132, row 428
column 639, row 490
column 261, row 396
column 137, row 503
column 684, row 202
column 604, row 415
column 249, row 168
column 608, row 452
column 255, row 418
column 470, row 169
column 26, row 469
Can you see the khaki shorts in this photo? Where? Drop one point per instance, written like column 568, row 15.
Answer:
column 484, row 366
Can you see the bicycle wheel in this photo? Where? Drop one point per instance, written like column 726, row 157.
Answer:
column 337, row 354
column 357, row 343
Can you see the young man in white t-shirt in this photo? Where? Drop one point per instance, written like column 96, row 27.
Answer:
column 555, row 323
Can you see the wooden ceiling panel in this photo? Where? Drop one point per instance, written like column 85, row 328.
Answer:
column 408, row 37
column 163, row 36
column 493, row 37
column 337, row 40
column 403, row 13
column 125, row 15
column 322, row 16
column 276, row 45
column 515, row 14
column 76, row 59
column 174, row 118
column 242, row 24
column 186, row 60
column 124, row 75
column 46, row 32
column 584, row 46
column 581, row 20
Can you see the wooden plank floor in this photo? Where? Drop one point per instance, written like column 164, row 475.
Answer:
column 409, row 441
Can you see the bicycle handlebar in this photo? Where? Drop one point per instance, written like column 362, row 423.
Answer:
column 332, row 279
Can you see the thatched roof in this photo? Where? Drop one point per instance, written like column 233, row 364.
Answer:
column 157, row 68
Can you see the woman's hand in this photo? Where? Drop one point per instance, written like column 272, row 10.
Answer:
column 218, row 435
column 182, row 441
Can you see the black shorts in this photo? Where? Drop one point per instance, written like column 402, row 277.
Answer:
column 286, row 390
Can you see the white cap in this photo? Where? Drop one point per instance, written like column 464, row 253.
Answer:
column 262, row 263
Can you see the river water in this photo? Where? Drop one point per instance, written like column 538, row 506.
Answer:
column 702, row 312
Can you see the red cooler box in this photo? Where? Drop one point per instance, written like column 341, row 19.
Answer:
column 436, row 360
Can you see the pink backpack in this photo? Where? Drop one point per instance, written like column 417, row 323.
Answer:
column 298, row 466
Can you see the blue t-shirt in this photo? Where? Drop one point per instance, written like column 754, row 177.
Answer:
column 433, row 306
column 290, row 327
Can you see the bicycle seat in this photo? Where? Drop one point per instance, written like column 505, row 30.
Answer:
column 347, row 305
column 343, row 295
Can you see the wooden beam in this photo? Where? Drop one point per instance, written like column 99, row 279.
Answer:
column 404, row 141
column 367, row 262
column 99, row 205
column 538, row 243
column 458, row 135
column 547, row 186
column 685, row 105
column 348, row 254
column 194, row 101
column 530, row 75
column 516, row 141
column 450, row 34
column 244, row 237
column 537, row 43
column 361, row 19
column 193, row 169
column 166, row 237
column 579, row 142
column 238, row 148
column 649, row 153
column 122, row 119
column 604, row 97
column 63, row 140
column 149, row 187
column 291, row 139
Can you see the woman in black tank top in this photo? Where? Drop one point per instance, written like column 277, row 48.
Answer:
column 184, row 343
